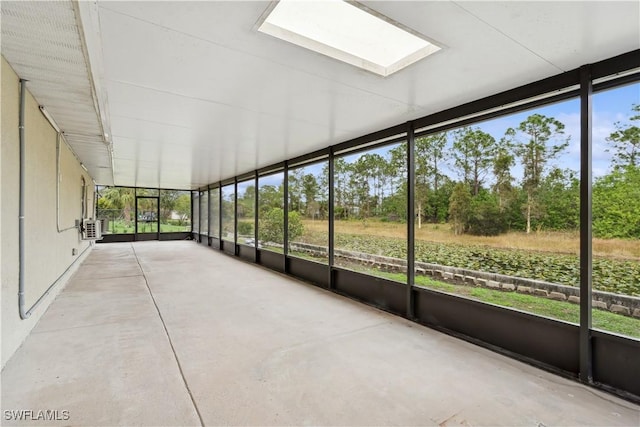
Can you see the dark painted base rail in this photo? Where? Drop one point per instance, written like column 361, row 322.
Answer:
column 115, row 238
column 546, row 343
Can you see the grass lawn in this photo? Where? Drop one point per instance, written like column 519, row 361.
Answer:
column 559, row 242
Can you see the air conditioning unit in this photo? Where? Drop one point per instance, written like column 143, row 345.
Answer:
column 91, row 229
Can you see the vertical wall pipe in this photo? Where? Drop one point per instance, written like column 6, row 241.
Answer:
column 25, row 314
column 23, row 160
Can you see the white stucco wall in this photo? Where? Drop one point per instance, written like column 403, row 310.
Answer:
column 48, row 252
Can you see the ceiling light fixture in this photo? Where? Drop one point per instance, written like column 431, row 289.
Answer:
column 346, row 31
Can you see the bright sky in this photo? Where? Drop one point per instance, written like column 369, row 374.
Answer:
column 609, row 107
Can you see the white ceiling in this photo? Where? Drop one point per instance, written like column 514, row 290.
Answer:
column 42, row 41
column 192, row 93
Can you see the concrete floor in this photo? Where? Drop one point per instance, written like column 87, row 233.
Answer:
column 251, row 347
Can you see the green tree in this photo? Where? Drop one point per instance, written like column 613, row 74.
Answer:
column 341, row 172
column 379, row 174
column 295, row 189
column 485, row 218
column 168, row 200
column 310, row 189
column 473, row 154
column 397, row 167
column 559, row 195
column 460, row 207
column 430, row 155
column 271, row 226
column 246, row 202
column 531, row 144
column 118, row 198
column 360, row 187
column 182, row 207
column 616, row 204
column 626, row 141
column 270, row 197
column 503, row 161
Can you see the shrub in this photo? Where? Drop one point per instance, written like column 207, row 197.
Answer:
column 245, row 228
column 485, row 218
column 271, row 226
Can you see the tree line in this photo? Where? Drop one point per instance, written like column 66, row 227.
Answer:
column 465, row 177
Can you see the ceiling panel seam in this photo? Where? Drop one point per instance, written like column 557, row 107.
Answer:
column 509, row 37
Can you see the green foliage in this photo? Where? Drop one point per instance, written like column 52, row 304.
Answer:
column 611, row 275
column 117, row 199
column 430, row 157
column 559, row 197
column 246, row 202
column 245, row 228
column 182, row 206
column 626, row 141
column 530, row 143
column 616, row 204
column 473, row 152
column 269, row 197
column 296, row 229
column 460, row 208
column 271, row 226
column 485, row 218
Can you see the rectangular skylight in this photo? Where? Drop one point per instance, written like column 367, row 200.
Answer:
column 347, row 32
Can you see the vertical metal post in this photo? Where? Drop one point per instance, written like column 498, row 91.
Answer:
column 256, row 206
column 191, row 210
column 411, row 224
column 158, row 215
column 199, row 216
column 220, row 246
column 286, row 216
column 586, row 123
column 135, row 213
column 330, row 203
column 235, row 215
column 208, row 215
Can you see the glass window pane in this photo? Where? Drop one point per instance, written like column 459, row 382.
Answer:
column 271, row 212
column 116, row 209
column 175, row 211
column 204, row 213
column 308, row 210
column 195, row 203
column 245, row 212
column 228, row 212
column 502, row 197
column 148, row 208
column 214, row 212
column 370, row 211
column 616, row 211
